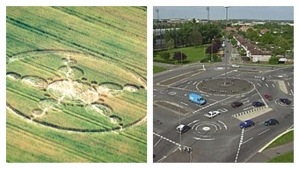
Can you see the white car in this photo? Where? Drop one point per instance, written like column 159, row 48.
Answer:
column 212, row 114
column 182, row 128
column 236, row 66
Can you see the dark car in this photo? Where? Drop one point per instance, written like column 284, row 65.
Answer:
column 257, row 104
column 271, row 122
column 236, row 104
column 268, row 97
column 247, row 123
column 285, row 101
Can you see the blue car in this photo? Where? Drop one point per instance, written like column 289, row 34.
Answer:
column 196, row 98
column 258, row 104
column 247, row 123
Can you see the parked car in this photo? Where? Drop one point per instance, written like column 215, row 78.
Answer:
column 285, row 101
column 268, row 97
column 235, row 66
column 247, row 123
column 236, row 104
column 257, row 104
column 271, row 122
column 212, row 114
column 182, row 128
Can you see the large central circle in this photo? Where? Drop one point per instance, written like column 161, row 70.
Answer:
column 225, row 86
column 73, row 91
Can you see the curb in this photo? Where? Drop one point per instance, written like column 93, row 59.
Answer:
column 264, row 147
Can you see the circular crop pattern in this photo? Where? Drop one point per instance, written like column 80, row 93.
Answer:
column 74, row 91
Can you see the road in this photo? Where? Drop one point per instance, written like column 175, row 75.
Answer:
column 218, row 139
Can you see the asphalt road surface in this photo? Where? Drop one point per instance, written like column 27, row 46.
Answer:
column 219, row 139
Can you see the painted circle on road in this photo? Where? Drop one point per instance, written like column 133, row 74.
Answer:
column 206, row 130
column 172, row 93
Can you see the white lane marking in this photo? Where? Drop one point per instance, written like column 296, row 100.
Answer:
column 263, row 132
column 162, row 159
column 273, row 85
column 292, row 91
column 195, row 83
column 244, row 99
column 288, row 83
column 185, row 94
column 167, row 139
column 223, row 124
column 189, row 82
column 154, row 89
column 222, row 110
column 204, row 107
column 157, row 142
column 267, row 85
column 258, row 84
column 184, row 81
column 262, row 98
column 184, row 103
column 240, row 145
column 247, row 108
column 175, row 150
column 248, row 140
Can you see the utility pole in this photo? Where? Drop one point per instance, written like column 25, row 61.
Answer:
column 159, row 27
column 207, row 9
column 226, row 47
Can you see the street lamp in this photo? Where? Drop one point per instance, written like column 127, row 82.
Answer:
column 225, row 57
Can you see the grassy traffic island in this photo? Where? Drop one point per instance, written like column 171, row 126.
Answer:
column 284, row 139
column 192, row 54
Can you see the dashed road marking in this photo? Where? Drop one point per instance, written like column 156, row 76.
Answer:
column 263, row 132
column 240, row 145
column 273, row 85
column 267, row 85
column 195, row 83
column 258, row 84
column 288, row 83
column 189, row 82
column 171, row 141
column 204, row 107
column 248, row 140
column 292, row 92
column 184, row 103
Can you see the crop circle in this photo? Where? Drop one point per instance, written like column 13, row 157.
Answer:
column 74, row 91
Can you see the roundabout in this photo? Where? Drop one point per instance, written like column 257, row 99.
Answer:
column 227, row 86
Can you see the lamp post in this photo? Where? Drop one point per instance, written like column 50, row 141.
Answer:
column 225, row 57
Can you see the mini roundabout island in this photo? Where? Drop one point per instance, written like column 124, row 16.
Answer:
column 73, row 91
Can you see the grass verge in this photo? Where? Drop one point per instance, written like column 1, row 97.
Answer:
column 157, row 69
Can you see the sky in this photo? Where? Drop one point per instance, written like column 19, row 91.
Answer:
column 219, row 12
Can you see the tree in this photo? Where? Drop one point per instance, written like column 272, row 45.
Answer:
column 273, row 60
column 170, row 44
column 195, row 37
column 179, row 56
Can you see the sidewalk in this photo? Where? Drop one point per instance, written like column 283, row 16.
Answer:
column 271, row 153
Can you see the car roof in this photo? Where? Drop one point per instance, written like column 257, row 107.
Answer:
column 181, row 126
